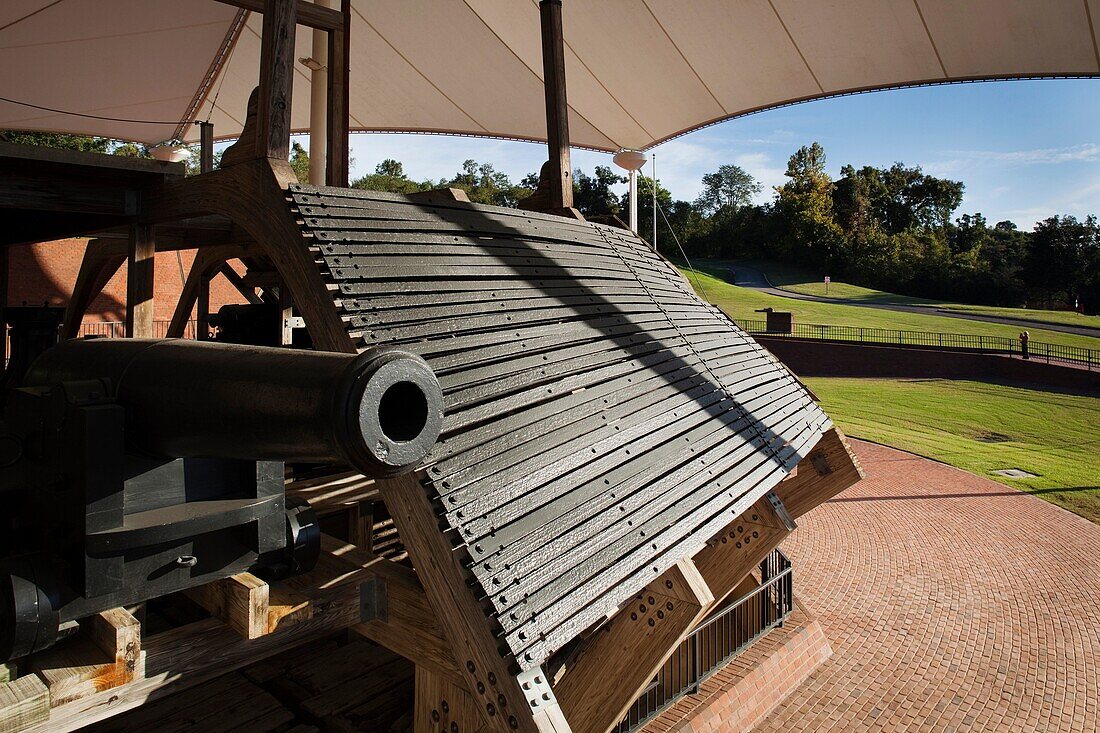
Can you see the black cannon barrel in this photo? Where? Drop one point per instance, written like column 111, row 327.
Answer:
column 380, row 411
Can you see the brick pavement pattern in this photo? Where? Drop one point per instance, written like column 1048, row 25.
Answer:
column 952, row 603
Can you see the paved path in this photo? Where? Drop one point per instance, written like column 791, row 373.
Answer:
column 952, row 603
column 749, row 277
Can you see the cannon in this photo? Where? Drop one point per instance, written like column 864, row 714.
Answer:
column 134, row 468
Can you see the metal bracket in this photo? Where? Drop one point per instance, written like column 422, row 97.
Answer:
column 374, row 602
column 784, row 516
column 294, row 322
column 536, row 686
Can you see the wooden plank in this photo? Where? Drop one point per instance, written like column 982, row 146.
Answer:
column 276, row 78
column 619, row 660
column 23, row 703
column 500, row 698
column 828, row 469
column 140, row 268
column 441, row 705
column 309, row 14
column 250, row 606
column 9, row 671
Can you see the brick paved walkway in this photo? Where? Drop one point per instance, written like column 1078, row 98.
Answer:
column 952, row 603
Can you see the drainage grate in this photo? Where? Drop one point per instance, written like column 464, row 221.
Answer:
column 1014, row 473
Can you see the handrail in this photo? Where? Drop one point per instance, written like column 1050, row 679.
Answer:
column 1038, row 350
column 716, row 640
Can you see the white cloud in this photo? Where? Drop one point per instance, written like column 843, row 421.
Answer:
column 1084, row 153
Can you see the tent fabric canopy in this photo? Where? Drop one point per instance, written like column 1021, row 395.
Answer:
column 638, row 71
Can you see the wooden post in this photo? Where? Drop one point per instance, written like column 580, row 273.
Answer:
column 206, row 147
column 339, row 44
column 276, row 79
column 507, row 703
column 202, row 309
column 3, row 303
column 139, row 281
column 557, row 108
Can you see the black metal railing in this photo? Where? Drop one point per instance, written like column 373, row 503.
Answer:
column 716, row 641
column 1076, row 355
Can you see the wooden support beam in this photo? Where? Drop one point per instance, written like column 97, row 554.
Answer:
column 441, row 705
column 202, row 307
column 206, row 147
column 400, row 617
column 4, row 264
column 619, row 660
column 309, row 14
column 439, row 196
column 740, row 547
column 249, row 605
column 493, row 679
column 253, row 193
column 828, row 469
column 140, row 268
column 237, row 281
column 108, row 657
column 276, row 79
column 23, row 702
column 99, row 265
column 560, row 176
column 337, row 161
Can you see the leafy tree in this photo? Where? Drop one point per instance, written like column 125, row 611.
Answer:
column 84, row 143
column 299, row 162
column 592, row 195
column 730, row 187
column 805, row 202
column 389, row 175
column 486, row 185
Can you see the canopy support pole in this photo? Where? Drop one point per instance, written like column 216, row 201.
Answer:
column 318, row 104
column 557, row 107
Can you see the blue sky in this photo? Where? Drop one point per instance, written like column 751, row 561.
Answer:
column 1025, row 149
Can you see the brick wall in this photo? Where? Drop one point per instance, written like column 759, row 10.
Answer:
column 741, row 694
column 811, row 358
column 46, row 273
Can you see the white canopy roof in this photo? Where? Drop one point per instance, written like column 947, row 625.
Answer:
column 639, row 71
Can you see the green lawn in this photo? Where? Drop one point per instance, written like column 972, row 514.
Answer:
column 980, row 427
column 743, row 302
column 797, row 280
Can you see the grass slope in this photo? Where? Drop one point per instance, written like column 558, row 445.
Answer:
column 742, row 302
column 1052, row 435
column 796, row 280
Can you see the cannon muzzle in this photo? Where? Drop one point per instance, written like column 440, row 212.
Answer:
column 379, row 412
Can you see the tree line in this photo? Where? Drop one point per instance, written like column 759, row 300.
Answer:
column 891, row 229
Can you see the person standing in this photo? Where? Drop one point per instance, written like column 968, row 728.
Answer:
column 1023, row 344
